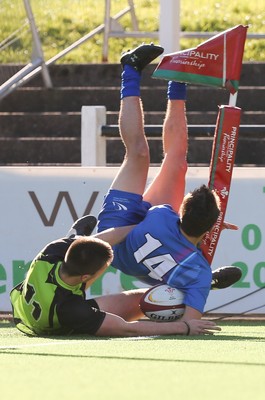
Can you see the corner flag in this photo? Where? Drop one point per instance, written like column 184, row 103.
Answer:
column 216, row 62
column 221, row 168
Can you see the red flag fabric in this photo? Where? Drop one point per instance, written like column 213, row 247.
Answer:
column 221, row 168
column 216, row 62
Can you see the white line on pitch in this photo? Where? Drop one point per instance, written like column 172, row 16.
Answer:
column 21, row 346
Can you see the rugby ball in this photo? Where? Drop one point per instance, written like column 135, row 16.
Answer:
column 162, row 303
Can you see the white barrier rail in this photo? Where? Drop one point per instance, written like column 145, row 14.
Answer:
column 95, row 132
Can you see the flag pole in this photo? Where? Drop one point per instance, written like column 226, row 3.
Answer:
column 233, row 99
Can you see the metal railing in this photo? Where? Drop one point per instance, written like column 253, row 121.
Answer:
column 37, row 59
column 110, row 27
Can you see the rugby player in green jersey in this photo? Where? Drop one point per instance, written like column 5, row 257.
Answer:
column 52, row 300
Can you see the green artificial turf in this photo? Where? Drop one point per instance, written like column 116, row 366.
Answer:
column 228, row 365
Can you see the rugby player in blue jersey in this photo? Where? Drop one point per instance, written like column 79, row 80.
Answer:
column 164, row 247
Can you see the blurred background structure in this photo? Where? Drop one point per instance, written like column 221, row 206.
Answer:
column 56, row 57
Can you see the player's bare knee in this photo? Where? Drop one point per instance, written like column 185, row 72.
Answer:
column 139, row 151
column 180, row 166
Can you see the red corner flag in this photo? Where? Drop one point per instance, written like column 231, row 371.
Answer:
column 221, row 168
column 216, row 62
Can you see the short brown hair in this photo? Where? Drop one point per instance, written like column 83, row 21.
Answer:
column 199, row 211
column 86, row 255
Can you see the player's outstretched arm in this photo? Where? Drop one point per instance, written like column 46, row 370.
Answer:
column 114, row 325
column 114, row 235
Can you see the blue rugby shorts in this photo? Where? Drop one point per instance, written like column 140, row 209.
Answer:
column 121, row 209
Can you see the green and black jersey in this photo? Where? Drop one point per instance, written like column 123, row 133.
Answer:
column 44, row 305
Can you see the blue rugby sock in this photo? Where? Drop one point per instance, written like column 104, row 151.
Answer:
column 130, row 82
column 176, row 90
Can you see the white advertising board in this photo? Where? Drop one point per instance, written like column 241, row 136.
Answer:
column 39, row 204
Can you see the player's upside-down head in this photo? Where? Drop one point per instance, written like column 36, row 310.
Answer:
column 199, row 211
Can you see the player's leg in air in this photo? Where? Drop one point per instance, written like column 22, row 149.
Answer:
column 168, row 187
column 134, row 169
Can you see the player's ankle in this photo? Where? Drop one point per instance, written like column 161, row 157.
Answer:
column 176, row 91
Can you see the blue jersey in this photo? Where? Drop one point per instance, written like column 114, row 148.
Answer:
column 156, row 251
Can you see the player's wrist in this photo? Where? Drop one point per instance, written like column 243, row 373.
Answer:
column 187, row 328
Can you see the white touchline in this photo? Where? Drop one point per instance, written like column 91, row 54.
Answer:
column 53, row 343
column 65, row 342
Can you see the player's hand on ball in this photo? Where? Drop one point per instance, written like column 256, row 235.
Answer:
column 196, row 327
